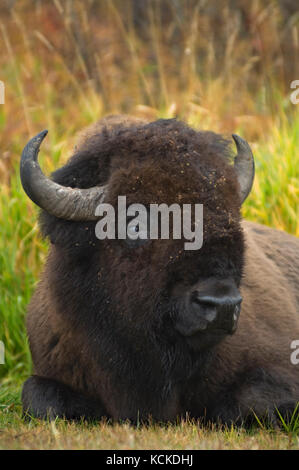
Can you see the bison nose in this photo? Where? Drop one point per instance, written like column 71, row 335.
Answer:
column 215, row 309
column 219, row 311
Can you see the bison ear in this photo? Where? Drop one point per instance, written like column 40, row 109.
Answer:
column 244, row 166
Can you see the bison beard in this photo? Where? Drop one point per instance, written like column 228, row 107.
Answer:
column 133, row 333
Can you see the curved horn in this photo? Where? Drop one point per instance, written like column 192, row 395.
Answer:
column 244, row 166
column 61, row 201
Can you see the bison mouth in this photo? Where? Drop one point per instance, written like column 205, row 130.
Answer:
column 208, row 313
column 208, row 339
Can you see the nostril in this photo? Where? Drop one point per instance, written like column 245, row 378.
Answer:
column 237, row 309
column 236, row 315
column 210, row 314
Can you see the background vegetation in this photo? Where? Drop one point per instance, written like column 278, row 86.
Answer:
column 220, row 65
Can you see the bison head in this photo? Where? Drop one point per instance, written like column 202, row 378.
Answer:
column 155, row 290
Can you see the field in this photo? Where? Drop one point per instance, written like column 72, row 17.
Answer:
column 65, row 65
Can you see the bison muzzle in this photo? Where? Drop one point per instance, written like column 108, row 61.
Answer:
column 212, row 307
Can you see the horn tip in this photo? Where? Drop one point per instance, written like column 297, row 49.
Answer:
column 242, row 146
column 238, row 140
column 39, row 137
column 42, row 134
column 31, row 150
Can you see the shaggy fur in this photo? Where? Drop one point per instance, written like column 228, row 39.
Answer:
column 100, row 323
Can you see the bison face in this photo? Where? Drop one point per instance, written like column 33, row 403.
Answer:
column 153, row 291
column 158, row 287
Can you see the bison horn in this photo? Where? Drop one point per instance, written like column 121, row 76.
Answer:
column 61, row 201
column 244, row 166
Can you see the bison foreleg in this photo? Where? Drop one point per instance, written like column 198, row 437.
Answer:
column 47, row 399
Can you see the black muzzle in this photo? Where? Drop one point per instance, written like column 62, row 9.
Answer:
column 211, row 306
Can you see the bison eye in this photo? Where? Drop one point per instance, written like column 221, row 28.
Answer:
column 133, row 229
column 137, row 233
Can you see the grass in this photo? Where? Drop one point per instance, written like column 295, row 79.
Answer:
column 63, row 68
column 186, row 435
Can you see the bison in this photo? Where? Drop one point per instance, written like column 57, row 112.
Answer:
column 136, row 331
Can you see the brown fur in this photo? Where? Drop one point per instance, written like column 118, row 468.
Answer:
column 100, row 324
